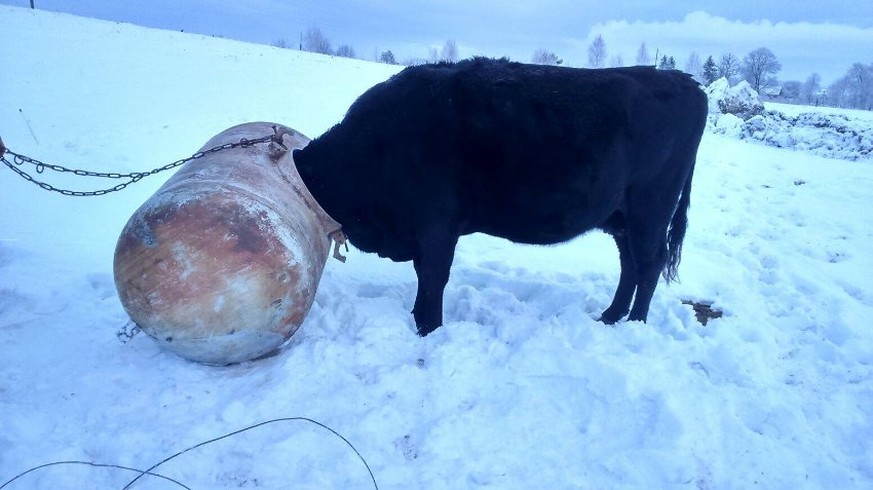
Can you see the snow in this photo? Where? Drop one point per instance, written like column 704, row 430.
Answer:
column 837, row 133
column 521, row 388
column 830, row 135
column 740, row 100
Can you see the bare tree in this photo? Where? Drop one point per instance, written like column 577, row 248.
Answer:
column 543, row 57
column 729, row 67
column 450, row 51
column 433, row 56
column 855, row 88
column 862, row 83
column 597, row 52
column 643, row 56
column 616, row 61
column 759, row 68
column 345, row 51
column 414, row 61
column 281, row 43
column 791, row 90
column 387, row 57
column 836, row 93
column 315, row 41
column 694, row 66
column 809, row 90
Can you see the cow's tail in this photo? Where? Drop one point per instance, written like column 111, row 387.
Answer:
column 676, row 232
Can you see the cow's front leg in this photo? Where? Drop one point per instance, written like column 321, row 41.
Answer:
column 436, row 250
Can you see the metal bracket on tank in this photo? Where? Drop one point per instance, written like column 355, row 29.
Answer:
column 339, row 238
column 277, row 148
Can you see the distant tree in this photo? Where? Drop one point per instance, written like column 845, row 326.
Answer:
column 855, row 89
column 643, row 57
column 414, row 61
column 862, row 85
column 387, row 57
column 694, row 67
column 281, row 43
column 345, row 51
column 836, row 93
column 450, row 51
column 543, row 57
column 791, row 91
column 709, row 71
column 433, row 55
column 729, row 67
column 597, row 52
column 667, row 63
column 759, row 68
column 316, row 42
column 810, row 89
column 616, row 61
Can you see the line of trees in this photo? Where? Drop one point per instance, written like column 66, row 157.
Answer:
column 854, row 89
column 315, row 41
column 759, row 68
column 544, row 57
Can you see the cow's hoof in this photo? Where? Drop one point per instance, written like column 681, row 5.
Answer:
column 423, row 329
column 610, row 318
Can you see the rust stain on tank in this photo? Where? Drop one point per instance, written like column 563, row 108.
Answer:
column 249, row 233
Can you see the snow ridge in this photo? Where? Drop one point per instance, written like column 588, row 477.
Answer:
column 827, row 135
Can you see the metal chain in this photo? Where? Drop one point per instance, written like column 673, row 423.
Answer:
column 19, row 160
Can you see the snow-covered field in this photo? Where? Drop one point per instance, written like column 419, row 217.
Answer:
column 520, row 389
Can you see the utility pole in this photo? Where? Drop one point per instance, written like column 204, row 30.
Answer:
column 31, row 3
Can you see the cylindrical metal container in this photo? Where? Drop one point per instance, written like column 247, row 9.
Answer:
column 221, row 264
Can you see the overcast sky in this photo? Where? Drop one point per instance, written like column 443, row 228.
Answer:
column 824, row 36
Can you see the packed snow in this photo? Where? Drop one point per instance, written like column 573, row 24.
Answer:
column 522, row 388
column 739, row 113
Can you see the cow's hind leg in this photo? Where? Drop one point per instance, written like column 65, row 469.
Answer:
column 651, row 256
column 656, row 223
column 436, row 250
column 647, row 238
column 627, row 282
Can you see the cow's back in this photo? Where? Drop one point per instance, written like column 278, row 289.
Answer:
column 540, row 154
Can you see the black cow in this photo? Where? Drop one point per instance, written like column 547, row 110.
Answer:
column 534, row 154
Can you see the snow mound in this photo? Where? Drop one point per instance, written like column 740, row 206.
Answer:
column 828, row 135
column 738, row 112
column 740, row 100
column 715, row 92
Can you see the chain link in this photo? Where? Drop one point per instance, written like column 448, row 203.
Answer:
column 19, row 160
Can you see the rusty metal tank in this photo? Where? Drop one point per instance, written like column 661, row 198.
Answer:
column 222, row 263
